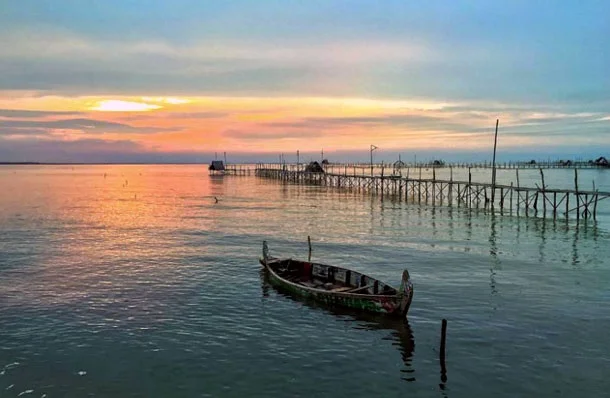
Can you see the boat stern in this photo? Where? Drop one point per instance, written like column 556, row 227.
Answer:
column 405, row 293
column 265, row 257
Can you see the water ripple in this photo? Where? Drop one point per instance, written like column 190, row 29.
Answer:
column 154, row 290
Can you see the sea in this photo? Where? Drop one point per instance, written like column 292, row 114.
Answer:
column 144, row 281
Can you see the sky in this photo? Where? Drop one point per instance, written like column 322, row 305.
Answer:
column 181, row 81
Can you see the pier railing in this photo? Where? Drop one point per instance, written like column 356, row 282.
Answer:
column 539, row 201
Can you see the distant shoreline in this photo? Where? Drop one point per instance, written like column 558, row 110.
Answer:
column 87, row 164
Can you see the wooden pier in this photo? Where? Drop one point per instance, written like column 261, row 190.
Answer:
column 238, row 170
column 581, row 165
column 539, row 201
column 232, row 170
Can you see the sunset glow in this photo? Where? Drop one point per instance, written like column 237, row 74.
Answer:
column 123, row 106
column 156, row 90
column 258, row 124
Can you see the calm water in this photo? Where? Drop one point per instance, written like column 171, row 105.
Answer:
column 138, row 284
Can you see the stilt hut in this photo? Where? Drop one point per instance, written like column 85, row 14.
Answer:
column 216, row 167
column 314, row 167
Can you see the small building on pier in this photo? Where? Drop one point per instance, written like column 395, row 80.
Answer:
column 217, row 167
column 602, row 161
column 314, row 167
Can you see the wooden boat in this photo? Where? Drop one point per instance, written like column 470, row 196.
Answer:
column 338, row 286
column 399, row 331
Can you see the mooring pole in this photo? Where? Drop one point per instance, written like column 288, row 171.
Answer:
column 442, row 351
column 493, row 173
column 373, row 147
column 309, row 244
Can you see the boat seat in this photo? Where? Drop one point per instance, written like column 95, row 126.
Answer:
column 341, row 289
column 357, row 289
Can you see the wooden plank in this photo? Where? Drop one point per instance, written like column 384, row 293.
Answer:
column 341, row 289
column 357, row 289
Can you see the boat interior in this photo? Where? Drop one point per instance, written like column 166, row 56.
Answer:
column 329, row 278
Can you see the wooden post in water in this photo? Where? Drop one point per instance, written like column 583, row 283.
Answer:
column 406, row 190
column 543, row 194
column 511, row 197
column 382, row 185
column 373, row 147
column 442, row 351
column 577, row 196
column 469, row 189
column 419, row 186
column 493, row 173
column 518, row 192
column 433, row 184
column 309, row 244
column 449, row 197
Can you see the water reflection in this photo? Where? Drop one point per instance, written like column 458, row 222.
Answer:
column 575, row 261
column 493, row 251
column 400, row 333
column 217, row 185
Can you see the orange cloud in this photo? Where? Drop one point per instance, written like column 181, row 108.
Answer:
column 123, row 106
column 256, row 124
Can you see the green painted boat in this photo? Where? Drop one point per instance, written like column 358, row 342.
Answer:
column 338, row 286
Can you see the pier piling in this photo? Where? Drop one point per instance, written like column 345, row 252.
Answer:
column 538, row 201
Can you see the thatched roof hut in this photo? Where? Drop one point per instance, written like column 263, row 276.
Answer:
column 314, row 167
column 217, row 165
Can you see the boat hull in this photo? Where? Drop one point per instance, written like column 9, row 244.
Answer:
column 383, row 304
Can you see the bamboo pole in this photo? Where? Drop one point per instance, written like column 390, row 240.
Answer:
column 493, row 175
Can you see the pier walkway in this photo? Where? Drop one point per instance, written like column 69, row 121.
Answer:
column 529, row 201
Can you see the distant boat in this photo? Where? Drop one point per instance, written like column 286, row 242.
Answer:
column 338, row 286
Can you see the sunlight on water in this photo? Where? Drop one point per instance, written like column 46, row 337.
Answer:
column 133, row 281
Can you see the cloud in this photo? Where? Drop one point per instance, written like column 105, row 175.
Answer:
column 465, row 50
column 412, row 122
column 123, row 106
column 27, row 44
column 52, row 150
column 197, row 115
column 467, row 126
column 271, row 135
column 22, row 113
column 16, row 132
column 82, row 124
